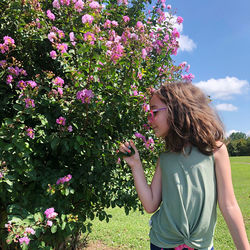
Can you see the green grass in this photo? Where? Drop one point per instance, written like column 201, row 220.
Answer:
column 131, row 232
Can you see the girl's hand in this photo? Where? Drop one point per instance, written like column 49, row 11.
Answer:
column 134, row 159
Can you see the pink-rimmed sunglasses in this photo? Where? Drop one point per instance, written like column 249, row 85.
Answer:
column 152, row 113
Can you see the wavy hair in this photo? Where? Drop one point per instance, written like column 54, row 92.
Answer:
column 190, row 117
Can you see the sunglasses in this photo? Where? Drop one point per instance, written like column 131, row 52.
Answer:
column 152, row 113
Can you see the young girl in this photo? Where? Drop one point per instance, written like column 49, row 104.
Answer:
column 191, row 175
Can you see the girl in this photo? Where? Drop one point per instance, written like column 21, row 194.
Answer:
column 190, row 176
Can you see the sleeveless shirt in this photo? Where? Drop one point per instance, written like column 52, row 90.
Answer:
column 187, row 214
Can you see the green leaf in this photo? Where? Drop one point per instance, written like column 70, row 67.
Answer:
column 53, row 228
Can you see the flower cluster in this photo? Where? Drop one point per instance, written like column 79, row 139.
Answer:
column 149, row 144
column 8, row 43
column 50, row 215
column 85, row 95
column 64, row 179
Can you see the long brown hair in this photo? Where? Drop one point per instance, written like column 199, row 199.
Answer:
column 191, row 119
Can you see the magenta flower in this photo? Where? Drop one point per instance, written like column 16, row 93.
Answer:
column 126, row 19
column 65, row 2
column 64, row 179
column 169, row 6
column 145, row 107
column 107, row 24
column 79, row 5
column 94, row 5
column 72, row 38
column 114, row 23
column 139, row 75
column 139, row 25
column 25, row 240
column 138, row 135
column 22, row 85
column 9, row 79
column 62, row 47
column 179, row 19
column 87, row 19
column 58, row 81
column 3, row 63
column 53, row 54
column 50, row 15
column 32, row 84
column 149, row 144
column 29, row 103
column 56, row 4
column 85, row 95
column 50, row 213
column 188, row 77
column 30, row 133
column 60, row 91
column 8, row 40
column 3, row 48
column 61, row 121
column 90, row 37
column 144, row 53
column 1, row 175
column 70, row 129
column 175, row 33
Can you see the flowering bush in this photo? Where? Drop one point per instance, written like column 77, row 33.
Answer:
column 73, row 80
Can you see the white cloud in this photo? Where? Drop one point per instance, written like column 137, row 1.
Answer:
column 226, row 107
column 228, row 133
column 223, row 88
column 248, row 133
column 185, row 43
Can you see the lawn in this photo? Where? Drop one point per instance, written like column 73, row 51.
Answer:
column 131, row 232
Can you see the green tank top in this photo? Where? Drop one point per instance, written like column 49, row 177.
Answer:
column 187, row 214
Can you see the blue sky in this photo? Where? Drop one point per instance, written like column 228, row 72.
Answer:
column 215, row 41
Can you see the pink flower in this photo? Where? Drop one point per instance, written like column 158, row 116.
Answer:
column 85, row 95
column 29, row 103
column 32, row 84
column 56, row 4
column 188, row 77
column 139, row 75
column 90, row 37
column 61, row 121
column 30, row 133
column 50, row 15
column 79, row 6
column 87, row 19
column 58, row 81
column 3, row 63
column 22, row 85
column 144, row 53
column 60, row 91
column 145, row 107
column 169, row 6
column 175, row 33
column 72, row 38
column 62, row 47
column 53, row 54
column 126, row 19
column 64, row 179
column 138, row 135
column 9, row 79
column 49, row 223
column 1, row 175
column 65, row 2
column 94, row 5
column 149, row 144
column 3, row 48
column 50, row 213
column 114, row 23
column 25, row 240
column 140, row 25
column 8, row 40
column 30, row 230
column 107, row 24
column 179, row 19
column 52, row 36
column 70, row 129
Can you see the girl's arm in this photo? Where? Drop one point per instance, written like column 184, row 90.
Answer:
column 149, row 195
column 227, row 201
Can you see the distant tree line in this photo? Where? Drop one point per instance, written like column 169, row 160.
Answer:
column 238, row 144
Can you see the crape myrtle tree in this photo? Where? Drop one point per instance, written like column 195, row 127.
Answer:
column 73, row 81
